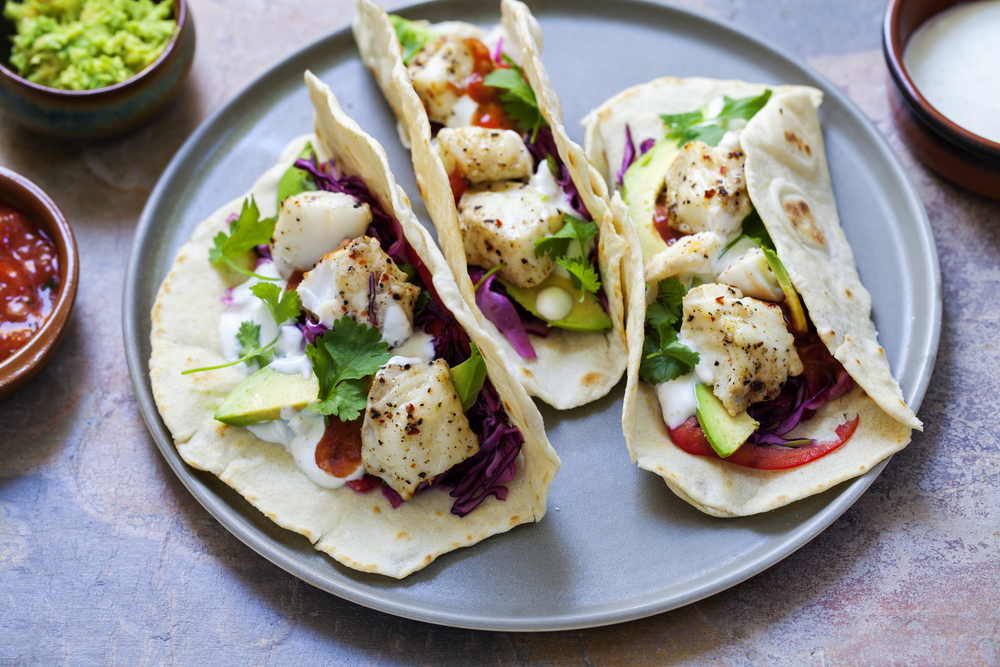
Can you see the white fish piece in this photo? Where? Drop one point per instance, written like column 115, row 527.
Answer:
column 340, row 285
column 438, row 74
column 742, row 343
column 752, row 275
column 482, row 154
column 311, row 224
column 706, row 190
column 500, row 223
column 414, row 427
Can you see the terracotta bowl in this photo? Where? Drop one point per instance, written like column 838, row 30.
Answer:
column 104, row 112
column 964, row 158
column 29, row 198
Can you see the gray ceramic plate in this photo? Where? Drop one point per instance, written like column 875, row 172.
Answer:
column 616, row 544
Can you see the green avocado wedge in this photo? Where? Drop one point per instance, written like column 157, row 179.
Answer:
column 641, row 185
column 262, row 395
column 724, row 432
column 587, row 315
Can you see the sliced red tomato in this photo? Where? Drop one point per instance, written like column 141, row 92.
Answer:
column 689, row 437
column 366, row 483
column 458, row 185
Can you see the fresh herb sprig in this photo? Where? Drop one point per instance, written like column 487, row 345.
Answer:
column 284, row 305
column 698, row 126
column 246, row 232
column 557, row 246
column 343, row 358
column 519, row 101
column 663, row 357
column 468, row 377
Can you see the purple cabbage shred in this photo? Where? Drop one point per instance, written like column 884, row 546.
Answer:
column 646, row 146
column 628, row 157
column 799, row 400
column 499, row 309
column 481, row 476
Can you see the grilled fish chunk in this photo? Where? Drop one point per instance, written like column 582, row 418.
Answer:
column 744, row 348
column 483, row 154
column 414, row 426
column 311, row 224
column 438, row 73
column 340, row 285
column 706, row 191
column 500, row 224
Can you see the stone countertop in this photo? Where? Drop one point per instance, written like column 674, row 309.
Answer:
column 105, row 558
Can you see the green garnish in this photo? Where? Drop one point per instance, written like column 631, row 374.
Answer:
column 753, row 229
column 468, row 377
column 250, row 349
column 343, row 358
column 696, row 126
column 283, row 305
column 246, row 232
column 413, row 37
column 557, row 246
column 518, row 98
column 663, row 357
column 574, row 228
column 296, row 181
column 583, row 273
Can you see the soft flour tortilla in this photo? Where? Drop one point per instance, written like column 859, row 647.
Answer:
column 361, row 530
column 571, row 368
column 790, row 185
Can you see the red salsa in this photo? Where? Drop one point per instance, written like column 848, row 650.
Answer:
column 339, row 450
column 661, row 221
column 29, row 279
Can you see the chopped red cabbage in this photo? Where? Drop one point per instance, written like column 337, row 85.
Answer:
column 628, row 157
column 499, row 309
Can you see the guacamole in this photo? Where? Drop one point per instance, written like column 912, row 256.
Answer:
column 87, row 44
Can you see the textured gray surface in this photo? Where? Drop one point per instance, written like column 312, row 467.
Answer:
column 106, row 559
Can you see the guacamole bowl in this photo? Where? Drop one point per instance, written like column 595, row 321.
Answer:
column 102, row 112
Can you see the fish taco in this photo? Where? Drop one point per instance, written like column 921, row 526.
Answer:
column 332, row 373
column 523, row 221
column 757, row 378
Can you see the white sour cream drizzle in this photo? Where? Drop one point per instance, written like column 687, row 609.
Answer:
column 953, row 60
column 677, row 399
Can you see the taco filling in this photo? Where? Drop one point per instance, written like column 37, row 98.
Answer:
column 735, row 360
column 358, row 367
column 530, row 244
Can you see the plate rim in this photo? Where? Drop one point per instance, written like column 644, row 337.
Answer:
column 381, row 599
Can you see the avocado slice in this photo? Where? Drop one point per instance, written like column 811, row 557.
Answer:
column 641, row 185
column 587, row 315
column 262, row 395
column 724, row 432
column 795, row 310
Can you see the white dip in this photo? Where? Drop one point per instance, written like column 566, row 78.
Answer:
column 954, row 60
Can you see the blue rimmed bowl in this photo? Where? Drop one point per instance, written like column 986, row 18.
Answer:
column 104, row 112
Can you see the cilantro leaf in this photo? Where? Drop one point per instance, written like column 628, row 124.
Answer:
column 413, row 37
column 695, row 126
column 656, row 367
column 296, row 181
column 663, row 357
column 583, row 272
column 283, row 305
column 342, row 358
column 557, row 245
column 246, row 232
column 250, row 349
column 519, row 101
column 468, row 377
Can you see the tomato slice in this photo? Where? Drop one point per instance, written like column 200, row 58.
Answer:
column 690, row 437
column 458, row 185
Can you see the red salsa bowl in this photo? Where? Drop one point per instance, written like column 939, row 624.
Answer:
column 39, row 273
